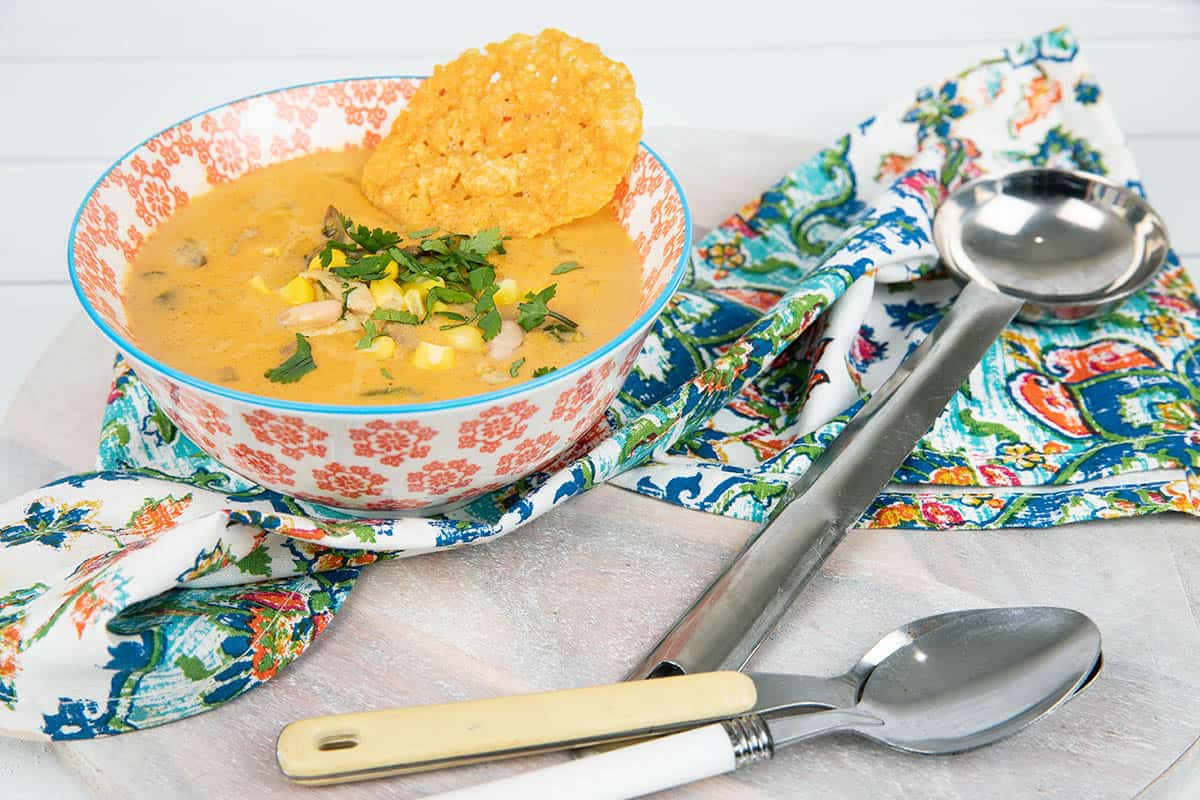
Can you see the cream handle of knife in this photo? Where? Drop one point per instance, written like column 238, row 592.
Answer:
column 373, row 744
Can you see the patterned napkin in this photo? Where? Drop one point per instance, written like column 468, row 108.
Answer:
column 165, row 585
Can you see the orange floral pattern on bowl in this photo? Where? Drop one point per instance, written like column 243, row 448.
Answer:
column 371, row 458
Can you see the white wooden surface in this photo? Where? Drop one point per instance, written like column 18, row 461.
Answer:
column 82, row 82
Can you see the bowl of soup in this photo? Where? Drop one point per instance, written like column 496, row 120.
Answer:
column 310, row 343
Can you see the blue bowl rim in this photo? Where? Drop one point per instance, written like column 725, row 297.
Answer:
column 643, row 320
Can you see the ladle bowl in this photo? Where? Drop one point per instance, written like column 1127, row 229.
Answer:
column 1071, row 245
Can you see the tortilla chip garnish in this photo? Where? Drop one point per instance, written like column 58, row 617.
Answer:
column 526, row 135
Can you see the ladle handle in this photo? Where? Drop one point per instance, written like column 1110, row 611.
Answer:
column 726, row 624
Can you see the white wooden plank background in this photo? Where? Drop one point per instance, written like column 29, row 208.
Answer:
column 89, row 80
column 81, row 82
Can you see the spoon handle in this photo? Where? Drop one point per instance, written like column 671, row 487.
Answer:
column 725, row 625
column 623, row 773
column 371, row 744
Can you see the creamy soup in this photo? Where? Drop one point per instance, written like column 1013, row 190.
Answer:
column 256, row 285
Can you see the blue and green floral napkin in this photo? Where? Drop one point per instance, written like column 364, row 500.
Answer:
column 164, row 585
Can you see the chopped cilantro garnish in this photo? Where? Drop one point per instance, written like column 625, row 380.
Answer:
column 481, row 278
column 459, row 263
column 570, row 323
column 540, row 371
column 558, row 332
column 402, row 258
column 297, row 365
column 384, row 372
column 388, row 390
column 448, row 295
column 515, row 367
column 459, row 320
column 367, row 268
column 392, row 315
column 370, row 240
column 534, row 310
column 483, row 242
column 566, row 266
column 489, row 324
column 369, row 336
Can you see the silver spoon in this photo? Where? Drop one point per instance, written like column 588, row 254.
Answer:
column 782, row 692
column 1045, row 245
column 960, row 686
column 371, row 744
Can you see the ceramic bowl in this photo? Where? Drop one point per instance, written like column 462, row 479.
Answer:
column 371, row 458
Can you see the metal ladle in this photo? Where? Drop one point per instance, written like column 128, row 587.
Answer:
column 1045, row 245
column 959, row 686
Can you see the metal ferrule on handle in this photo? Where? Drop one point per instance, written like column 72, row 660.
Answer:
column 725, row 626
column 750, row 738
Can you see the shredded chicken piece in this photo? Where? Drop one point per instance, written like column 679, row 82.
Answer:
column 311, row 315
column 359, row 301
column 404, row 335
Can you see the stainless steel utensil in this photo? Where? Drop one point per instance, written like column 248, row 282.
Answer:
column 1049, row 246
column 958, row 687
column 371, row 744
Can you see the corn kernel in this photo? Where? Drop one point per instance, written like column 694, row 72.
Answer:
column 424, row 285
column 432, row 356
column 383, row 347
column 466, row 338
column 392, row 270
column 259, row 285
column 298, row 291
column 387, row 294
column 506, row 295
column 413, row 302
column 270, row 252
column 338, row 260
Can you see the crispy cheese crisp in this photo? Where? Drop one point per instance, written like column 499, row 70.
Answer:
column 526, row 135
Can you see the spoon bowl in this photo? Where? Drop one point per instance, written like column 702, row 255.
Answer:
column 783, row 692
column 972, row 682
column 967, row 683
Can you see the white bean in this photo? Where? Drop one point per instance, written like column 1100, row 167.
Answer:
column 507, row 341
